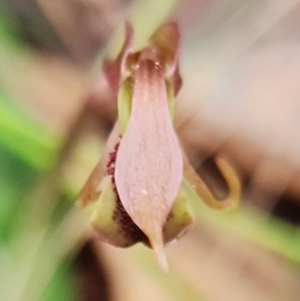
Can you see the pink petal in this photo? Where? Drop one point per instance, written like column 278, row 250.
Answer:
column 92, row 188
column 113, row 70
column 149, row 164
column 167, row 40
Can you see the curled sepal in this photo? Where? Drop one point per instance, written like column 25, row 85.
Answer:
column 199, row 187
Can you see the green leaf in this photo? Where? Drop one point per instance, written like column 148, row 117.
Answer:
column 26, row 138
column 16, row 181
column 62, row 286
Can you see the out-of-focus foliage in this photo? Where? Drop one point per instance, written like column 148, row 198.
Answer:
column 38, row 146
column 27, row 150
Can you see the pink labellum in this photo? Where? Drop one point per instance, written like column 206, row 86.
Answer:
column 149, row 165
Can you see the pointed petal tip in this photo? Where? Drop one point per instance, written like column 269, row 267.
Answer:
column 162, row 259
column 128, row 31
column 156, row 242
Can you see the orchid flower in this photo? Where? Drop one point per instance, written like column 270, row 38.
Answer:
column 139, row 186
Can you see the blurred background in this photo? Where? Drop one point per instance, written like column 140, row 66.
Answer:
column 240, row 63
